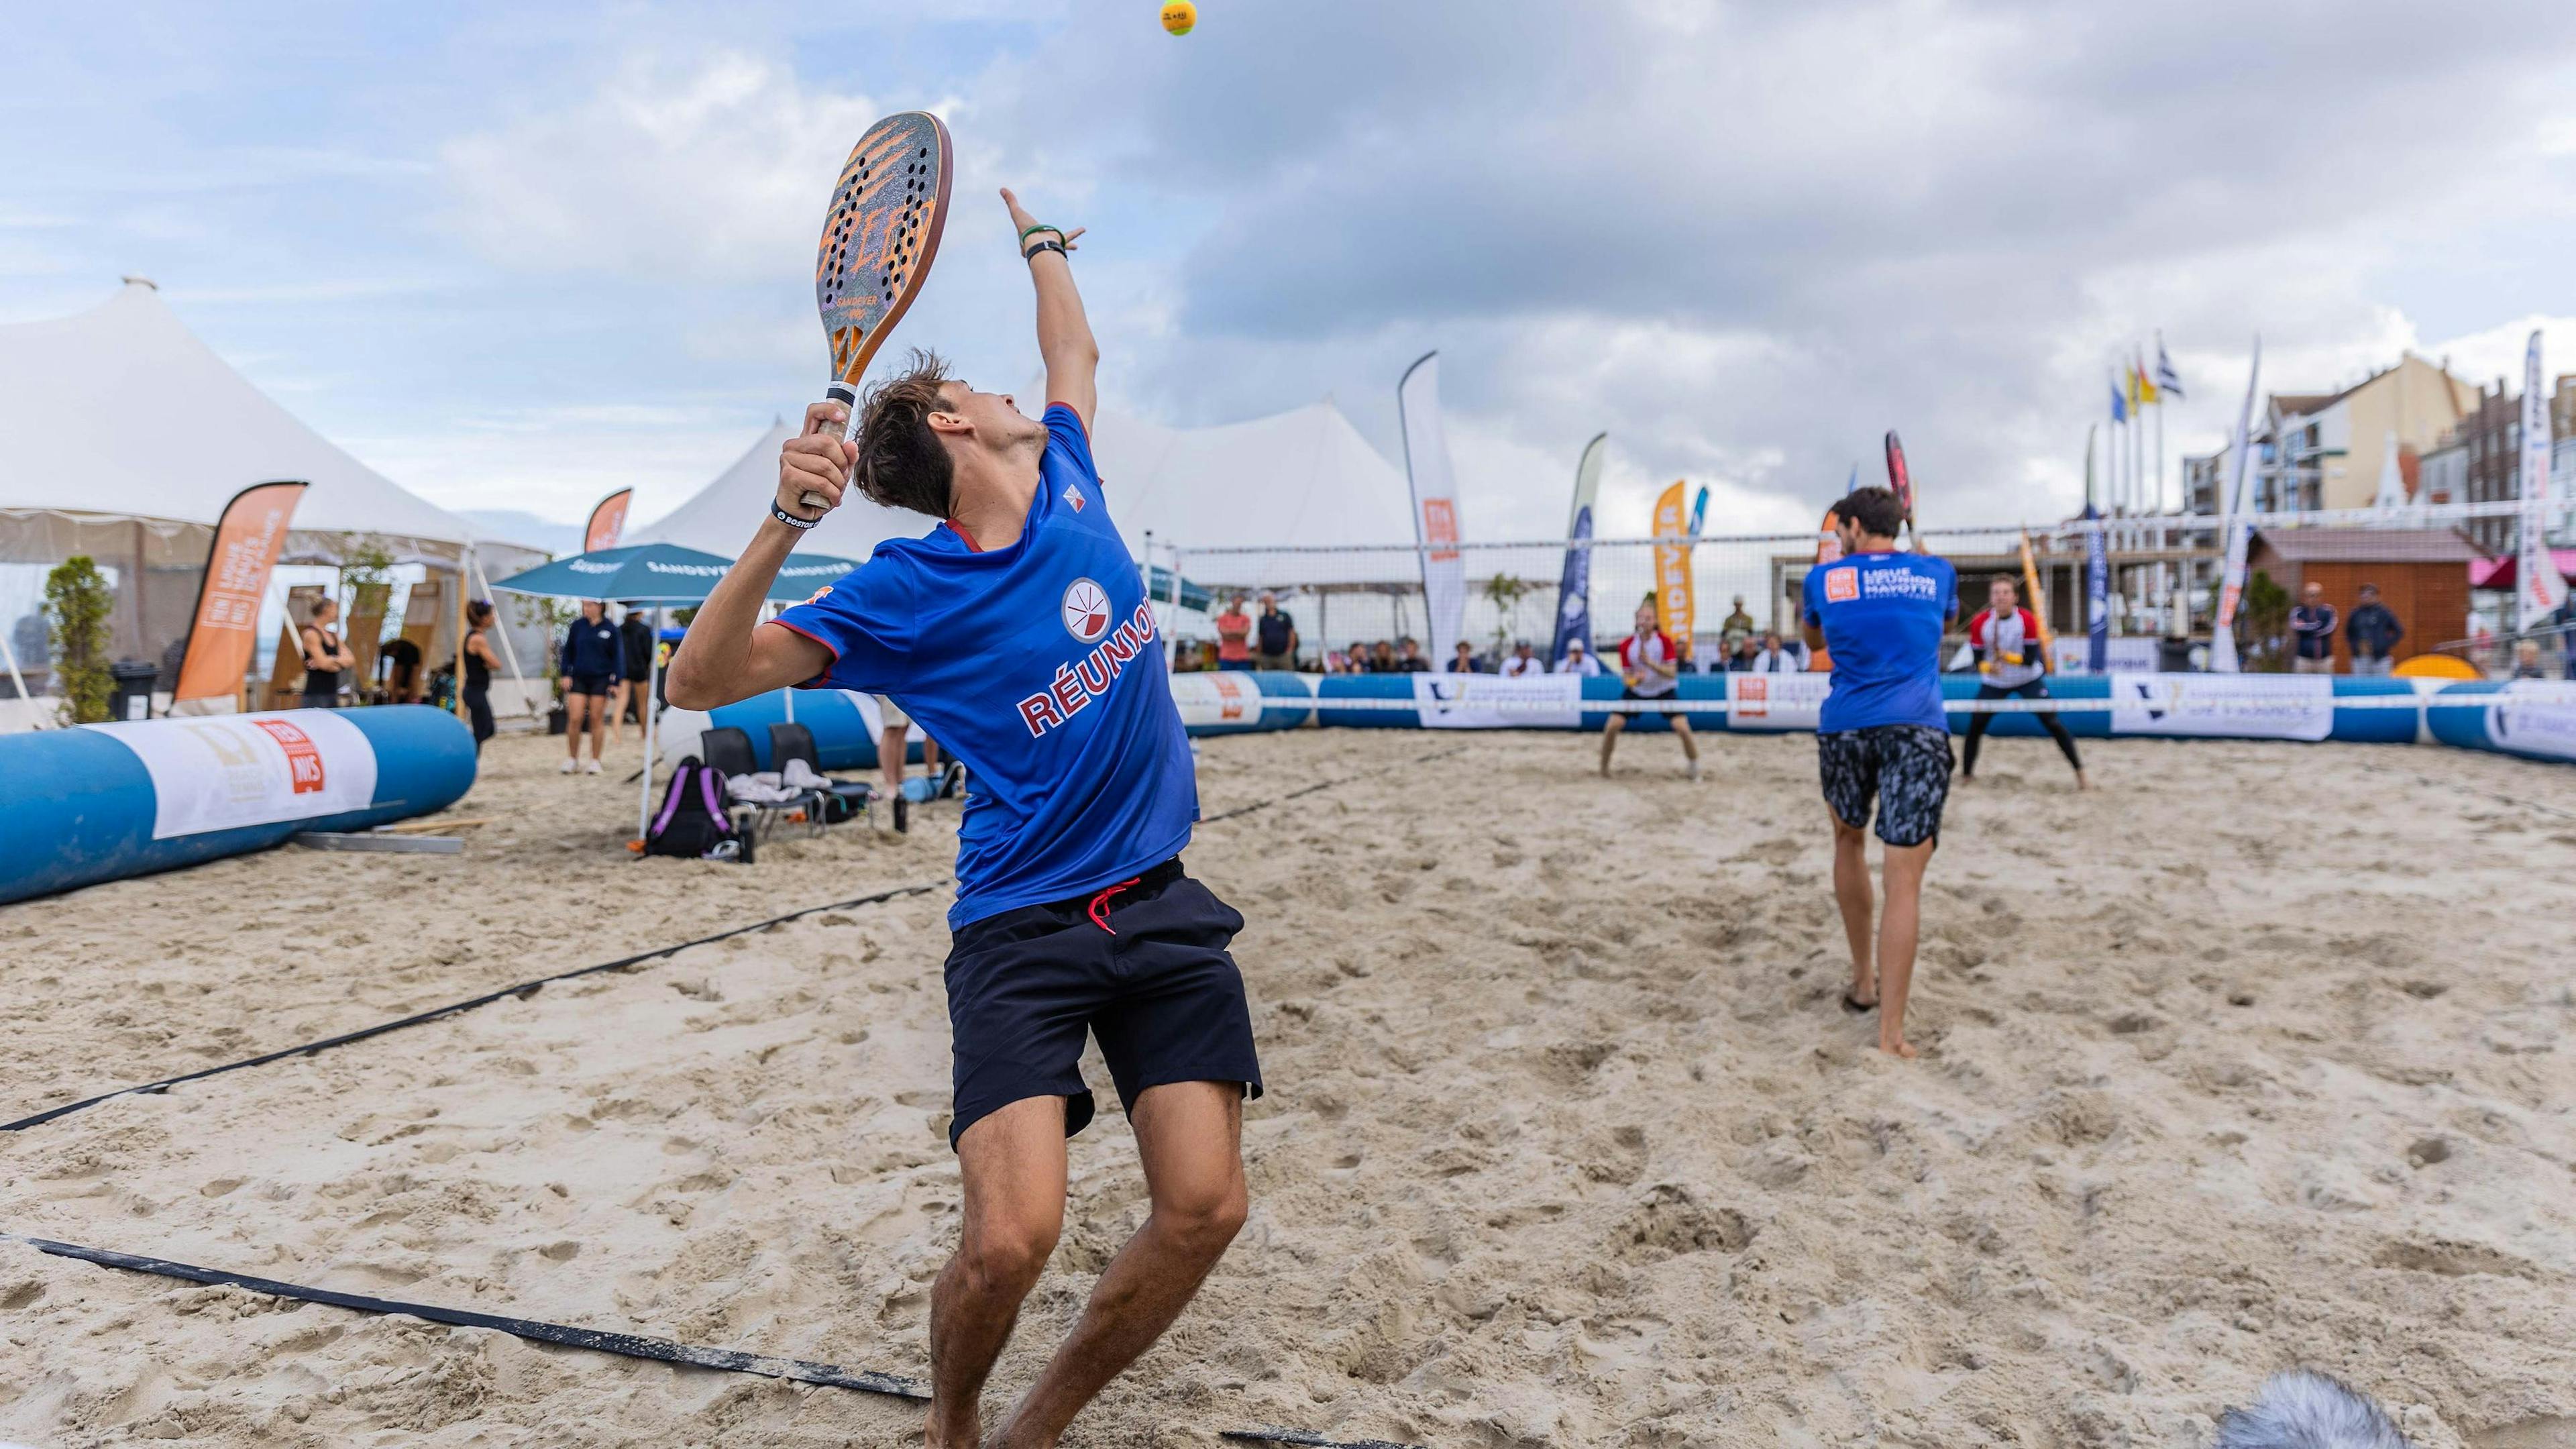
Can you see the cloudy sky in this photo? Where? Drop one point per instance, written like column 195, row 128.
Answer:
column 517, row 255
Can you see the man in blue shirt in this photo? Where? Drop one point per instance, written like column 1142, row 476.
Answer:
column 1882, row 734
column 1018, row 634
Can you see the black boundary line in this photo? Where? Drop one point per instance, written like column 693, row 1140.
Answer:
column 628, row 1344
column 439, row 1013
column 1309, row 790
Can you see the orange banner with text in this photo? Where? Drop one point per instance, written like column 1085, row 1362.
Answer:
column 1673, row 604
column 224, row 632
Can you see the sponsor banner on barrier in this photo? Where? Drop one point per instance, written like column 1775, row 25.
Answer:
column 1220, row 697
column 2128, row 654
column 1776, row 701
column 2249, row 706
column 1491, row 701
column 2535, row 716
column 228, row 771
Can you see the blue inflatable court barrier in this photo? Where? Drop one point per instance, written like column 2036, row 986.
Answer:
column 2537, row 721
column 103, row 802
column 2534, row 719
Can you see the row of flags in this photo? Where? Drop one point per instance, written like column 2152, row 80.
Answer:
column 2138, row 388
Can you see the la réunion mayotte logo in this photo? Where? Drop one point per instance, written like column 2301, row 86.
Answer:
column 1086, row 611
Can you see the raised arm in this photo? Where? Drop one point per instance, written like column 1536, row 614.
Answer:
column 728, row 654
column 1065, row 344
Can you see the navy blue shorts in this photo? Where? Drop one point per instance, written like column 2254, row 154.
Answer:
column 1142, row 966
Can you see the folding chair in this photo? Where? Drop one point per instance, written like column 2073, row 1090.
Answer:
column 727, row 750
column 791, row 741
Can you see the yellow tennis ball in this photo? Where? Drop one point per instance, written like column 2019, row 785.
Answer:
column 1180, row 17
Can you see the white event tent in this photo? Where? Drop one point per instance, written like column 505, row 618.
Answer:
column 122, row 436
column 1300, row 479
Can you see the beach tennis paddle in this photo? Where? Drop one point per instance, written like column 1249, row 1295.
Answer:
column 1900, row 481
column 878, row 238
column 1829, row 549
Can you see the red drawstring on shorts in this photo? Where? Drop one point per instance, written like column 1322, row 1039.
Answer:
column 1099, row 909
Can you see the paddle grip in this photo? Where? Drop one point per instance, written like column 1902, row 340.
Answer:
column 848, row 397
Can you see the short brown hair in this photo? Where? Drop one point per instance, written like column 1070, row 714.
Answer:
column 1875, row 510
column 902, row 463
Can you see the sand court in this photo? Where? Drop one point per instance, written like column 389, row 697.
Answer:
column 1567, row 1142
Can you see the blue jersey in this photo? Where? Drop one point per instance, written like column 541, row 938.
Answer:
column 1038, row 666
column 1882, row 615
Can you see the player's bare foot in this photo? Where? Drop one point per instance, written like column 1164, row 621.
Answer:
column 1899, row 1047
column 2081, row 783
column 960, row 1433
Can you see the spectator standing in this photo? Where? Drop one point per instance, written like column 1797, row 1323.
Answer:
column 1524, row 661
column 635, row 672
column 1408, row 657
column 590, row 661
column 325, row 655
column 475, row 679
column 1233, row 635
column 2312, row 630
column 2563, row 619
column 1275, row 632
column 2372, row 633
column 1779, row 657
column 1465, row 662
column 1738, row 626
column 1577, row 660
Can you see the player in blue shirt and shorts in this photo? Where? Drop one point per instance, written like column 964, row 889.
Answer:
column 1882, row 736
column 1073, row 916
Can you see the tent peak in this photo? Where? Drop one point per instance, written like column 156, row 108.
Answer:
column 133, row 281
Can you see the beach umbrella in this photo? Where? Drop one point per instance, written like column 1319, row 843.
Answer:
column 663, row 574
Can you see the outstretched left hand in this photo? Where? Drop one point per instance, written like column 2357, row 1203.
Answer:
column 1021, row 221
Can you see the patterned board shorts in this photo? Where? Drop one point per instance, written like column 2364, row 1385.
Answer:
column 1907, row 767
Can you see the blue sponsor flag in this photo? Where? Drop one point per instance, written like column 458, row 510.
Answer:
column 2097, row 597
column 1573, row 593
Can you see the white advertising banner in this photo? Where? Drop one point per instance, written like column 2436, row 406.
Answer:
column 1435, row 505
column 227, row 771
column 2262, row 706
column 1491, row 702
column 1776, row 701
column 2535, row 715
column 1223, row 697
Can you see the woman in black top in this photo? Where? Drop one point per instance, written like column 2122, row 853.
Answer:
column 325, row 655
column 635, row 640
column 478, row 670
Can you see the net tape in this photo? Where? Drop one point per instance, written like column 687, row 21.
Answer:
column 2249, row 706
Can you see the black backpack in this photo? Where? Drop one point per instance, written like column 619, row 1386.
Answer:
column 693, row 822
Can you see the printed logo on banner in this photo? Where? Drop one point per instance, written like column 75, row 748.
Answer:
column 1776, row 701
column 229, row 771
column 1842, row 585
column 303, row 762
column 2245, row 706
column 2535, row 716
column 1226, row 697
column 1491, row 701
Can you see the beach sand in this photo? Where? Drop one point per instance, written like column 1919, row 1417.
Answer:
column 2260, row 1056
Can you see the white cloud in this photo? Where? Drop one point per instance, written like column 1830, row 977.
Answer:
column 686, row 173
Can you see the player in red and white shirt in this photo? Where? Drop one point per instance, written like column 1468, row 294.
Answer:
column 2011, row 663
column 1650, row 666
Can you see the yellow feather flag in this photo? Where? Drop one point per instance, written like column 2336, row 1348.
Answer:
column 1673, row 602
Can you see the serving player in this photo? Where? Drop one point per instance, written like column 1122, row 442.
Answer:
column 1073, row 912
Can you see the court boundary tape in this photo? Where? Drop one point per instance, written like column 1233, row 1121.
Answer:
column 1458, row 748
column 522, row 990
column 594, row 1340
